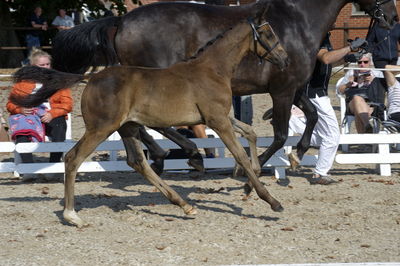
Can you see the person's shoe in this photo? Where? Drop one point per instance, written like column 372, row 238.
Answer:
column 317, row 179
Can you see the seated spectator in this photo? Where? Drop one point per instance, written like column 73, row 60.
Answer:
column 355, row 86
column 62, row 21
column 52, row 114
column 393, row 92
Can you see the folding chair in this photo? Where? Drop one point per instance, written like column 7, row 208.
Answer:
column 376, row 94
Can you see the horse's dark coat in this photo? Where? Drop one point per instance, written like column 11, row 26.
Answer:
column 161, row 34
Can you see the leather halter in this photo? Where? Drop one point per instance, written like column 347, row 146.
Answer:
column 376, row 12
column 257, row 39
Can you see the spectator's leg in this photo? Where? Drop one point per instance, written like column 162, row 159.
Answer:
column 56, row 130
column 25, row 157
column 362, row 113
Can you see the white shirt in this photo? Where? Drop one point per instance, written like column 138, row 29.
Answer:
column 350, row 73
column 394, row 98
column 65, row 21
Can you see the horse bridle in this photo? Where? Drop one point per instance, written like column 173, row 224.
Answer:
column 257, row 39
column 376, row 12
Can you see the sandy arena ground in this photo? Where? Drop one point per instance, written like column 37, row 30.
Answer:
column 356, row 220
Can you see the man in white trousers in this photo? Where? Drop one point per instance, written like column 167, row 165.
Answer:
column 326, row 132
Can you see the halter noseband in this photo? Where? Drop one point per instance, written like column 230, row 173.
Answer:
column 376, row 12
column 257, row 38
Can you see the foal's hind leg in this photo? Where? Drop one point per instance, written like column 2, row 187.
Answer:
column 137, row 160
column 224, row 129
column 73, row 159
column 189, row 147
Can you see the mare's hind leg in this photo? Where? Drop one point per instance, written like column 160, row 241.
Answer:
column 73, row 159
column 157, row 154
column 224, row 129
column 189, row 147
column 280, row 116
column 137, row 160
column 304, row 103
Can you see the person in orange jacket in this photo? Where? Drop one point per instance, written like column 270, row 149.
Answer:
column 58, row 106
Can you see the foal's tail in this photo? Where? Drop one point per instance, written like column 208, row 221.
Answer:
column 88, row 44
column 52, row 81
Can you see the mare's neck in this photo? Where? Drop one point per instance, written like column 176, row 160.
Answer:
column 226, row 53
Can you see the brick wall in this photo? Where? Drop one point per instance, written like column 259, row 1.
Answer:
column 346, row 18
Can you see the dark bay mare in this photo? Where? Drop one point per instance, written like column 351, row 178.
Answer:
column 161, row 34
column 126, row 98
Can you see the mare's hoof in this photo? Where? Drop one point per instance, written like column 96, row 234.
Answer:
column 294, row 161
column 72, row 218
column 277, row 207
column 158, row 166
column 197, row 162
column 190, row 211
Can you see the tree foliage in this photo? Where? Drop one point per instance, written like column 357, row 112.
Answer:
column 15, row 13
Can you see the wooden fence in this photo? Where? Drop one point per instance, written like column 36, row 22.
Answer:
column 384, row 158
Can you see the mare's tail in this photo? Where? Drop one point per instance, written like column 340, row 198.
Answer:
column 52, row 81
column 88, row 44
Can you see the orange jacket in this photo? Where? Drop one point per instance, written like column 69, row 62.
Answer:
column 60, row 102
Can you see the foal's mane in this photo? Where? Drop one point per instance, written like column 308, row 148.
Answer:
column 208, row 44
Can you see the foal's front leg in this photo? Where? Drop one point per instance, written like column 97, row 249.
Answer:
column 224, row 129
column 247, row 132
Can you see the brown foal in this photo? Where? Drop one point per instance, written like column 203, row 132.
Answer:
column 122, row 98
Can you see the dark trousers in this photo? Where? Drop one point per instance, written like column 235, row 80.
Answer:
column 395, row 116
column 383, row 63
column 56, row 131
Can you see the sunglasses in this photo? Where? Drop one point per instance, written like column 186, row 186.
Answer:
column 365, row 62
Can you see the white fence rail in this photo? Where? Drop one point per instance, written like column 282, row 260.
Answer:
column 383, row 158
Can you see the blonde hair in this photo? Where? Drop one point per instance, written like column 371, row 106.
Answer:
column 36, row 53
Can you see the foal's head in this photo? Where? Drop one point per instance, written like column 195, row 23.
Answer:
column 267, row 45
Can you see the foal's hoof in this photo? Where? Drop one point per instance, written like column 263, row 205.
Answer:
column 196, row 161
column 158, row 166
column 294, row 161
column 190, row 210
column 277, row 207
column 72, row 218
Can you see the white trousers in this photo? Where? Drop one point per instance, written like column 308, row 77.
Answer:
column 326, row 133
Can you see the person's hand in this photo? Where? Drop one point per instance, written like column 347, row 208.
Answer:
column 368, row 78
column 44, row 27
column 46, row 118
column 26, row 111
column 357, row 44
